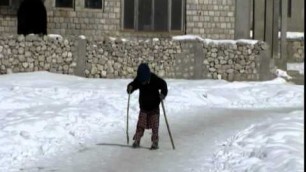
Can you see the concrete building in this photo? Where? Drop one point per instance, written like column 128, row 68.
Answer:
column 214, row 19
column 209, row 18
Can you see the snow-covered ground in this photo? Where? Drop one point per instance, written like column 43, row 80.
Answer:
column 276, row 145
column 51, row 115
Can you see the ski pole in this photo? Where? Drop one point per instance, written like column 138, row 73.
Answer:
column 167, row 124
column 127, row 120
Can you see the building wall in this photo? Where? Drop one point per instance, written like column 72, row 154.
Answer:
column 208, row 18
column 213, row 19
column 296, row 21
column 82, row 21
column 8, row 20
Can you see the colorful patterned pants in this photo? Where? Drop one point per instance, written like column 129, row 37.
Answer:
column 147, row 120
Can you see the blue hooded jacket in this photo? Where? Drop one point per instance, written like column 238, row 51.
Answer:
column 149, row 93
column 143, row 72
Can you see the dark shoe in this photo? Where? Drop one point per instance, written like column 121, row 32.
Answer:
column 154, row 145
column 136, row 144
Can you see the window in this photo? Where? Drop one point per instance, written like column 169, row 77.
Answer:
column 95, row 4
column 289, row 8
column 128, row 14
column 4, row 2
column 153, row 15
column 176, row 21
column 64, row 3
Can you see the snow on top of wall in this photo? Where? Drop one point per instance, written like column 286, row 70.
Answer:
column 247, row 41
column 123, row 40
column 112, row 38
column 55, row 36
column 195, row 37
column 187, row 37
column 290, row 35
column 82, row 37
column 294, row 35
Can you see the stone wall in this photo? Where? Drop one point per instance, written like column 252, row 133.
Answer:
column 240, row 61
column 119, row 58
column 295, row 50
column 33, row 53
column 116, row 58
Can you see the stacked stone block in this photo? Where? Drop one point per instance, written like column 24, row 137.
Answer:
column 118, row 58
column 295, row 48
column 240, row 61
column 34, row 53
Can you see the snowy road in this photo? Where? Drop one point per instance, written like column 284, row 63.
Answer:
column 51, row 122
column 195, row 137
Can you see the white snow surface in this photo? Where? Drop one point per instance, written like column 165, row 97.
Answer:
column 278, row 142
column 45, row 114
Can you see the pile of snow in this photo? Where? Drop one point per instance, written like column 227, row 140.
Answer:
column 269, row 146
column 43, row 114
column 282, row 74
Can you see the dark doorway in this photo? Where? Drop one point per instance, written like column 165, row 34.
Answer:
column 4, row 3
column 32, row 17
